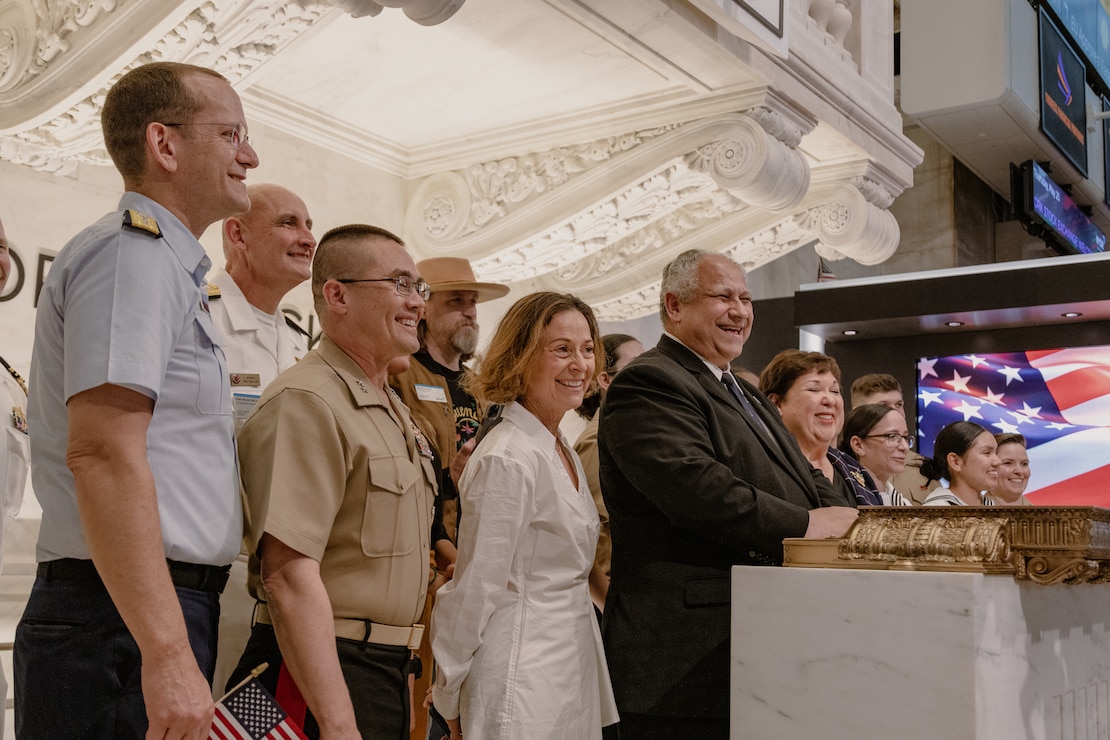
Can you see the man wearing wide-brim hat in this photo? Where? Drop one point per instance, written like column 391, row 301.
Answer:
column 430, row 388
column 448, row 337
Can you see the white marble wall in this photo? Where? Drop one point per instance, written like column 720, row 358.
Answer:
column 848, row 654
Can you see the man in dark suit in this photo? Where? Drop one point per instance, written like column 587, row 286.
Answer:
column 699, row 474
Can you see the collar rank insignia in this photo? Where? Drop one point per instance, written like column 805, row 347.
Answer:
column 141, row 221
column 213, row 291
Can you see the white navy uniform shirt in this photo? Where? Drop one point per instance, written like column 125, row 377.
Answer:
column 259, row 347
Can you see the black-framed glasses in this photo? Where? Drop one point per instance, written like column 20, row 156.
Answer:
column 236, row 134
column 892, row 438
column 403, row 283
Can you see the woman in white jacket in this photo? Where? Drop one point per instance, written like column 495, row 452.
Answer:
column 516, row 643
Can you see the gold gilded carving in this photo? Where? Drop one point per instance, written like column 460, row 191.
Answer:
column 1047, row 545
column 1049, row 571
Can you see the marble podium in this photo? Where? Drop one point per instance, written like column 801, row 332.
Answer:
column 890, row 645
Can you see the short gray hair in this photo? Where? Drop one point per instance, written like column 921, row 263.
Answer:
column 680, row 277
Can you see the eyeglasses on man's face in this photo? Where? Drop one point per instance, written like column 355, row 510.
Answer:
column 235, row 133
column 403, row 283
column 892, row 438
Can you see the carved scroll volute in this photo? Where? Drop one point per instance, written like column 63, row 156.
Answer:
column 847, row 225
column 17, row 42
column 424, row 12
column 755, row 166
column 439, row 212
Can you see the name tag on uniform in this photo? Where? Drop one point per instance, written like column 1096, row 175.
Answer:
column 435, row 393
column 251, row 380
column 242, row 404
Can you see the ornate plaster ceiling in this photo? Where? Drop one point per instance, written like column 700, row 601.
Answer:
column 564, row 144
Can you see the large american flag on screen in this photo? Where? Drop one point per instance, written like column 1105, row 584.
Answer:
column 250, row 713
column 1059, row 400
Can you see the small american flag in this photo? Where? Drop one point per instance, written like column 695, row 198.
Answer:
column 250, row 713
column 824, row 272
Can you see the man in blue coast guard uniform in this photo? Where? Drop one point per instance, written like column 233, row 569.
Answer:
column 131, row 430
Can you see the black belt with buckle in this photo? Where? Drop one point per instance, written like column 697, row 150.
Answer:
column 209, row 578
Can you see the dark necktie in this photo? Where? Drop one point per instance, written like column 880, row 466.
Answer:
column 730, row 382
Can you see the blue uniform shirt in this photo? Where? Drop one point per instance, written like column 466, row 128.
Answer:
column 126, row 305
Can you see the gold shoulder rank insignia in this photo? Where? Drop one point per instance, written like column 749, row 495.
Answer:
column 213, row 291
column 137, row 220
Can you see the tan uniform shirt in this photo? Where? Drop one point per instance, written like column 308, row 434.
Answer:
column 332, row 471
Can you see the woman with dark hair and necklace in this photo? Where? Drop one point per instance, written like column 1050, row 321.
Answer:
column 966, row 456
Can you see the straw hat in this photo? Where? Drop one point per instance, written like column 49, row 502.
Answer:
column 455, row 273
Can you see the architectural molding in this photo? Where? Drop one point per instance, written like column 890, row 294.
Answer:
column 424, row 12
column 645, row 202
column 752, row 163
column 1048, row 545
column 451, row 205
column 622, row 281
column 732, row 184
column 33, row 34
column 847, row 224
column 233, row 37
column 564, row 204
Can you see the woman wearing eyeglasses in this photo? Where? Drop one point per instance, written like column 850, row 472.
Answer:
column 875, row 438
column 966, row 455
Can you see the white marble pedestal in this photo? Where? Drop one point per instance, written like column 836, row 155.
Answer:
column 831, row 654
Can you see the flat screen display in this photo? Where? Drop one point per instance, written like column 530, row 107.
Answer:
column 1062, row 214
column 1058, row 399
column 1105, row 153
column 1063, row 95
column 1089, row 26
column 1050, row 213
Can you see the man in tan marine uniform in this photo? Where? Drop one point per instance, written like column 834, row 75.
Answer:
column 339, row 485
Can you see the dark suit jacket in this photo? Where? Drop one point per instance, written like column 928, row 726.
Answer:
column 693, row 486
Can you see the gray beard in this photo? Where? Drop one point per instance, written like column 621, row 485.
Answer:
column 465, row 340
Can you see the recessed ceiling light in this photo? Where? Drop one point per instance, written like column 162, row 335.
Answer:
column 849, row 332
column 953, row 323
column 1071, row 315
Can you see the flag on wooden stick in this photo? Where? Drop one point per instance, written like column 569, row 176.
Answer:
column 249, row 712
